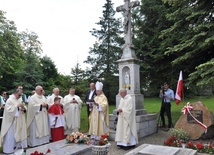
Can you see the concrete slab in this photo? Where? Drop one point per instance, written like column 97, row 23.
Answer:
column 156, row 150
column 148, row 149
column 63, row 148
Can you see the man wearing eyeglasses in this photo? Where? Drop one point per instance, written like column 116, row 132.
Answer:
column 4, row 96
column 37, row 119
column 13, row 132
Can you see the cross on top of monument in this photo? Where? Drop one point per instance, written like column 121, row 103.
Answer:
column 126, row 9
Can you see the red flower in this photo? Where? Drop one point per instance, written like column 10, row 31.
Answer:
column 210, row 146
column 101, row 142
column 199, row 146
column 104, row 136
column 48, row 151
column 40, row 153
column 190, row 144
column 170, row 140
column 174, row 143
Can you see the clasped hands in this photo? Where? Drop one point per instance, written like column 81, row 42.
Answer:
column 44, row 104
column 119, row 110
column 22, row 106
column 95, row 103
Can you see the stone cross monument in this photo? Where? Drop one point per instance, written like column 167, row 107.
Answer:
column 129, row 64
column 126, row 10
column 129, row 78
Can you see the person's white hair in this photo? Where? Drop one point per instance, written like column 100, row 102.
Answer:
column 38, row 87
column 55, row 89
column 123, row 90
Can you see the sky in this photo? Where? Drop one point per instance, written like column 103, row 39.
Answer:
column 62, row 26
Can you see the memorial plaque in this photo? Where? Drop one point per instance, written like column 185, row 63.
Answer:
column 198, row 114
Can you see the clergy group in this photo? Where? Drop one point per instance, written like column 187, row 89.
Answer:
column 50, row 119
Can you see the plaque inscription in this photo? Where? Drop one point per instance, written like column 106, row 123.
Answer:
column 198, row 114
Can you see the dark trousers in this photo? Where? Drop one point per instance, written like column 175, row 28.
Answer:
column 88, row 112
column 166, row 107
column 1, row 115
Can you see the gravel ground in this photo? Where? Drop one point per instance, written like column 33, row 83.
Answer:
column 156, row 139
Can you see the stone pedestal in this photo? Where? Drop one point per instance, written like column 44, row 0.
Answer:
column 138, row 100
column 129, row 67
column 146, row 124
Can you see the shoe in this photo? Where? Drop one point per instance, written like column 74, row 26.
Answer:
column 163, row 126
column 126, row 147
column 120, row 146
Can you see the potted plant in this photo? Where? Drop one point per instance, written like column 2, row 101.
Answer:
column 100, row 145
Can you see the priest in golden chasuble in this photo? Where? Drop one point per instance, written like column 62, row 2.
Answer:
column 99, row 115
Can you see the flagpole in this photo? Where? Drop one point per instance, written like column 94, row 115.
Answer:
column 183, row 93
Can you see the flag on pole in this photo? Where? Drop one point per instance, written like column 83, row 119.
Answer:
column 179, row 89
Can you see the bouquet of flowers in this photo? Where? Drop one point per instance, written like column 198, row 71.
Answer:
column 77, row 138
column 103, row 140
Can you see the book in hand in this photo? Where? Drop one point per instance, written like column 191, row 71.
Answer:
column 90, row 104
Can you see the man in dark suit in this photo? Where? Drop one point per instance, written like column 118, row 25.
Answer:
column 90, row 96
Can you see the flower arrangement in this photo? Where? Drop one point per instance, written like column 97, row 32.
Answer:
column 103, row 140
column 77, row 138
column 40, row 153
column 179, row 138
column 100, row 145
column 179, row 134
column 99, row 140
column 202, row 148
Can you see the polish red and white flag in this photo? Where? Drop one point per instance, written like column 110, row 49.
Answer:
column 179, row 89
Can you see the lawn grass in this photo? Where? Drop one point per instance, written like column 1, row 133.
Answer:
column 153, row 105
column 84, row 117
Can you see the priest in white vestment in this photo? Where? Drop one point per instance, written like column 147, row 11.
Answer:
column 50, row 99
column 99, row 116
column 126, row 133
column 37, row 119
column 13, row 131
column 72, row 108
column 24, row 96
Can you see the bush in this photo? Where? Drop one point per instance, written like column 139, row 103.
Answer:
column 179, row 134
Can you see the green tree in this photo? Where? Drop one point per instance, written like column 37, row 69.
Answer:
column 194, row 24
column 106, row 51
column 30, row 72
column 50, row 73
column 77, row 74
column 148, row 21
column 10, row 52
